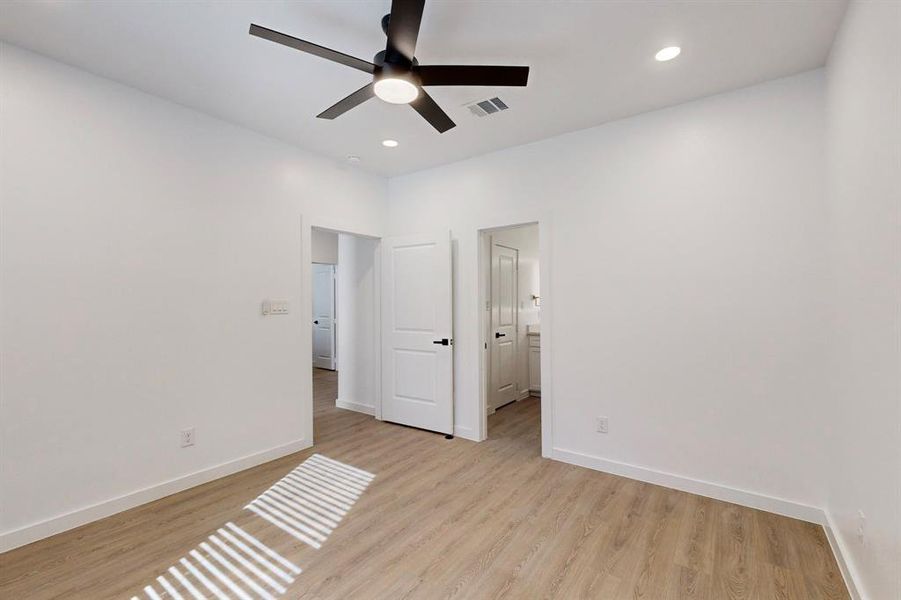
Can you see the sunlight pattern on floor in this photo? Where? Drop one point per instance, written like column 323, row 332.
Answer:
column 310, row 501
column 231, row 563
column 307, row 503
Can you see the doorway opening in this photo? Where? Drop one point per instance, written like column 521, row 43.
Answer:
column 511, row 324
column 345, row 325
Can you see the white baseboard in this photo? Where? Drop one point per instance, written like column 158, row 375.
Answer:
column 355, row 406
column 466, row 433
column 717, row 491
column 838, row 549
column 82, row 516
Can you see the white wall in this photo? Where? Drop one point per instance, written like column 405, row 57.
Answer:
column 138, row 240
column 324, row 246
column 358, row 323
column 864, row 199
column 713, row 306
column 686, row 286
column 525, row 240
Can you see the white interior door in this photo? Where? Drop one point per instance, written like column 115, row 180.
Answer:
column 504, row 317
column 324, row 316
column 417, row 332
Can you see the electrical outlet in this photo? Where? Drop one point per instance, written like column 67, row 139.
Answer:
column 603, row 425
column 861, row 527
column 187, row 437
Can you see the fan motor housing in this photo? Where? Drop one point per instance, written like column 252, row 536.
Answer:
column 388, row 68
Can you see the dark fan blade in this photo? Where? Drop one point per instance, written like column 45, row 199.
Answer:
column 311, row 48
column 403, row 27
column 342, row 106
column 473, row 75
column 431, row 112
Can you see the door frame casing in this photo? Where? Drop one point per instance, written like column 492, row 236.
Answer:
column 544, row 221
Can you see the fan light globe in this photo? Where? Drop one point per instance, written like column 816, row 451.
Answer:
column 396, row 91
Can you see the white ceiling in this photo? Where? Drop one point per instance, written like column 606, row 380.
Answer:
column 591, row 62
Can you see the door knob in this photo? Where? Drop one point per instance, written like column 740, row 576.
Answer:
column 315, row 322
column 499, row 335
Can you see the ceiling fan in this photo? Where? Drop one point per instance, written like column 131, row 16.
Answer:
column 397, row 77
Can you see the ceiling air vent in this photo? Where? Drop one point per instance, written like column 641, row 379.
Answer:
column 487, row 107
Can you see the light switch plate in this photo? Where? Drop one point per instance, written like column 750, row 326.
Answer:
column 275, row 307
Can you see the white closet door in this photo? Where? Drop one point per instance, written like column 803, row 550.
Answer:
column 324, row 316
column 504, row 317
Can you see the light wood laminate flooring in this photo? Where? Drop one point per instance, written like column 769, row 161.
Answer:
column 447, row 519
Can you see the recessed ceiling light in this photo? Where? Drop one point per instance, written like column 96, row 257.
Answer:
column 389, row 143
column 668, row 53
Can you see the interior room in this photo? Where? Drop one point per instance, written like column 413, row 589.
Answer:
column 422, row 299
column 510, row 286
